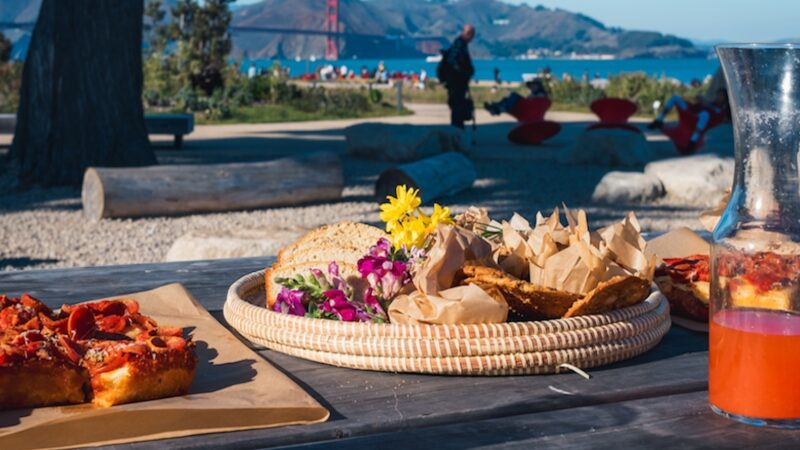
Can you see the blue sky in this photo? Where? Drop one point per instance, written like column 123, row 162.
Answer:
column 731, row 20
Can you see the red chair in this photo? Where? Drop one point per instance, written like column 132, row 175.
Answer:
column 533, row 129
column 681, row 133
column 614, row 113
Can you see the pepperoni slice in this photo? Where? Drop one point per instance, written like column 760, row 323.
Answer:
column 114, row 361
column 34, row 304
column 157, row 344
column 137, row 349
column 56, row 326
column 28, row 337
column 8, row 318
column 112, row 324
column 33, row 324
column 70, row 349
column 80, row 324
column 176, row 343
column 131, row 305
column 169, row 331
column 107, row 308
column 144, row 321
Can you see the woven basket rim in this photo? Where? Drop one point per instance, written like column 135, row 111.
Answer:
column 255, row 280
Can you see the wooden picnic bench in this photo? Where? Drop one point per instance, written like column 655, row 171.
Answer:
column 177, row 125
column 8, row 123
column 657, row 400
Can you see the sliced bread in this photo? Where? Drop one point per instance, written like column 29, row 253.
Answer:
column 342, row 235
column 326, row 252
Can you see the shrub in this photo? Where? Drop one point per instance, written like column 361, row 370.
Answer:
column 10, row 82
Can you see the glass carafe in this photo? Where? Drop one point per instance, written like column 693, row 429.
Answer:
column 754, row 324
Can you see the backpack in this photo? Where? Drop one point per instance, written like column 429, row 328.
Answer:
column 444, row 71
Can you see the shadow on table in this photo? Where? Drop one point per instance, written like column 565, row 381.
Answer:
column 25, row 262
column 335, row 415
column 219, row 376
column 13, row 417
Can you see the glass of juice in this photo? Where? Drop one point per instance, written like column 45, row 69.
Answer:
column 754, row 323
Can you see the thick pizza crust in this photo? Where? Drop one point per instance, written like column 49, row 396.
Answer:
column 690, row 301
column 148, row 377
column 40, row 382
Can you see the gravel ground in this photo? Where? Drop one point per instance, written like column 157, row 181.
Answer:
column 45, row 228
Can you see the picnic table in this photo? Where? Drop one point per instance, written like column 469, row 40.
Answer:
column 658, row 399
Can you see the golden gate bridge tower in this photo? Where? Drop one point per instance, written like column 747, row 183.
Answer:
column 332, row 28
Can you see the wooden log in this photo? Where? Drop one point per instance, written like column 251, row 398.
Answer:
column 185, row 189
column 437, row 176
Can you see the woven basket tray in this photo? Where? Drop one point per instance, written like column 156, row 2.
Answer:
column 485, row 349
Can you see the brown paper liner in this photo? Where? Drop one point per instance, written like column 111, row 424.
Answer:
column 234, row 389
column 437, row 298
column 571, row 258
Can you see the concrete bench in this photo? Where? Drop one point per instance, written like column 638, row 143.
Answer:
column 8, row 123
column 174, row 124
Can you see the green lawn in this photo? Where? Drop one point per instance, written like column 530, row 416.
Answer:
column 283, row 113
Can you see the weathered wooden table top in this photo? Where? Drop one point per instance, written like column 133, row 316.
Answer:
column 656, row 400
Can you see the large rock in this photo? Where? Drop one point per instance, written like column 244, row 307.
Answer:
column 388, row 142
column 697, row 180
column 628, row 187
column 610, row 147
column 241, row 243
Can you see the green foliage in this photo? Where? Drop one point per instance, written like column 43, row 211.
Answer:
column 375, row 96
column 201, row 31
column 573, row 95
column 572, row 92
column 10, row 82
column 642, row 90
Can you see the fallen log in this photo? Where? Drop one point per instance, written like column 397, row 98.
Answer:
column 185, row 189
column 437, row 176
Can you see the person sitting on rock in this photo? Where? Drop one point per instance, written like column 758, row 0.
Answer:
column 506, row 104
column 703, row 109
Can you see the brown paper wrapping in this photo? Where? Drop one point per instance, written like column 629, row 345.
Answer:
column 234, row 389
column 436, row 300
column 678, row 243
column 571, row 258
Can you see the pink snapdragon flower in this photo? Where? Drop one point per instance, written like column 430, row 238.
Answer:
column 290, row 302
column 385, row 276
column 346, row 310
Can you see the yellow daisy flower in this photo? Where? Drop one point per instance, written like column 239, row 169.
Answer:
column 410, row 233
column 406, row 202
column 440, row 215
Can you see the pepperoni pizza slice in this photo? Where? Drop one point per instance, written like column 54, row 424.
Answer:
column 112, row 353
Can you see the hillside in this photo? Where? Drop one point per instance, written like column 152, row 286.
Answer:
column 504, row 30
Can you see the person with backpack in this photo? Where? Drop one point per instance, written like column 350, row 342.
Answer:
column 455, row 71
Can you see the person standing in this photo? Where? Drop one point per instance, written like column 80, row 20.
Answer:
column 455, row 71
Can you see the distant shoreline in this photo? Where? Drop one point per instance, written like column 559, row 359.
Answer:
column 681, row 69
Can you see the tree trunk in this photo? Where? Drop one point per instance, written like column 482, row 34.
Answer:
column 81, row 96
